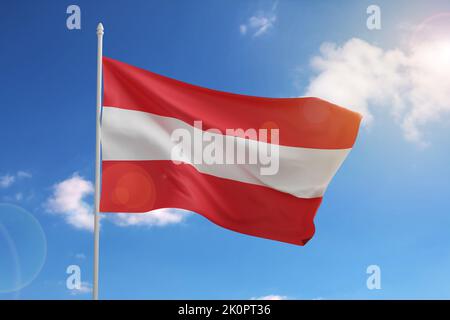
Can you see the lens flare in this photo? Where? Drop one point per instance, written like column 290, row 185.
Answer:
column 433, row 29
column 23, row 248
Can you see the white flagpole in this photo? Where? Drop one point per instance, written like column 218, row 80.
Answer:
column 97, row 160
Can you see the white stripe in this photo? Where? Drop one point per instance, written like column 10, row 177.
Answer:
column 134, row 135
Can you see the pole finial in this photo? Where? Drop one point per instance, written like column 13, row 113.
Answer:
column 100, row 29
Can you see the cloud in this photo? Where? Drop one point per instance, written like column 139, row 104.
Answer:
column 271, row 297
column 80, row 256
column 161, row 217
column 24, row 174
column 7, row 180
column 260, row 23
column 412, row 84
column 243, row 29
column 18, row 197
column 85, row 287
column 68, row 200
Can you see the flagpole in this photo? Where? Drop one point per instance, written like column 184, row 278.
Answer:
column 97, row 160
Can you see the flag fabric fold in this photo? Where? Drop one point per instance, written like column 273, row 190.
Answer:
column 169, row 144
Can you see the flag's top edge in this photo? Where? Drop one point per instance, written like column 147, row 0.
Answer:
column 245, row 96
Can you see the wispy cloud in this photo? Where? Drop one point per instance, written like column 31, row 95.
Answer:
column 271, row 297
column 18, row 197
column 260, row 23
column 85, row 288
column 68, row 200
column 80, row 256
column 7, row 180
column 243, row 29
column 412, row 84
column 24, row 174
column 161, row 217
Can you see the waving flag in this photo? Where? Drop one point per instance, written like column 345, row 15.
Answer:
column 258, row 166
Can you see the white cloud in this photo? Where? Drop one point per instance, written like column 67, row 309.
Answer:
column 243, row 29
column 80, row 256
column 412, row 85
column 85, row 287
column 68, row 200
column 260, row 23
column 271, row 297
column 161, row 217
column 6, row 180
column 18, row 197
column 24, row 174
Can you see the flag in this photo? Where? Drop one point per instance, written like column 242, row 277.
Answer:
column 258, row 166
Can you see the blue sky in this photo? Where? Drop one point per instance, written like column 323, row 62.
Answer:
column 388, row 205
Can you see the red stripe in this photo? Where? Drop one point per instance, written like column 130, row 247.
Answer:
column 141, row 186
column 303, row 122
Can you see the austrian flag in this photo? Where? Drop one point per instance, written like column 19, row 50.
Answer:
column 258, row 166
